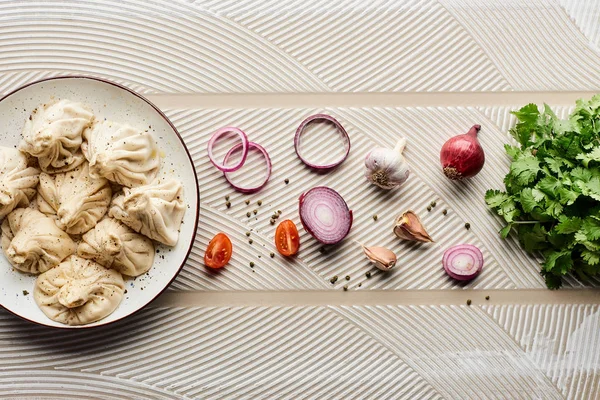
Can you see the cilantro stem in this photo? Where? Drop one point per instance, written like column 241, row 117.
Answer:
column 524, row 222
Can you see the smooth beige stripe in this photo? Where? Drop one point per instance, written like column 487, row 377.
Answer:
column 416, row 99
column 376, row 297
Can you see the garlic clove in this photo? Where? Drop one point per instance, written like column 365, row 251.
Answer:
column 383, row 258
column 409, row 227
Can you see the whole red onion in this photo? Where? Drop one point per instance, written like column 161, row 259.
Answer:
column 462, row 156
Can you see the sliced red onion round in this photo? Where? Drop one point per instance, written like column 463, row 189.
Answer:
column 463, row 262
column 325, row 215
column 211, row 143
column 251, row 145
column 323, row 117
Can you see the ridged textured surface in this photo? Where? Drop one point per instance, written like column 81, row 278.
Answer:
column 457, row 352
column 561, row 340
column 249, row 46
column 195, row 49
column 211, row 353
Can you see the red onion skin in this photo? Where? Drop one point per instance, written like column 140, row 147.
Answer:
column 307, row 229
column 462, row 156
column 338, row 125
column 267, row 161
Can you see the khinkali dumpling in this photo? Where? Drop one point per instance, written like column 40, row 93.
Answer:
column 78, row 200
column 155, row 210
column 53, row 134
column 117, row 246
column 32, row 242
column 17, row 180
column 78, row 291
column 121, row 153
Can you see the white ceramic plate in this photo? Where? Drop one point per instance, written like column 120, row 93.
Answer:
column 111, row 101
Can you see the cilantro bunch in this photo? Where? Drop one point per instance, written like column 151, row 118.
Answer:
column 552, row 197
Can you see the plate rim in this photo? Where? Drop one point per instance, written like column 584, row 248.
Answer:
column 197, row 191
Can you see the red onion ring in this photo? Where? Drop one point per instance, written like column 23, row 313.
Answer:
column 244, row 144
column 463, row 262
column 325, row 215
column 251, row 145
column 340, row 128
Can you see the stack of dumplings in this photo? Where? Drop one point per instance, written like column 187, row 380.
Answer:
column 82, row 204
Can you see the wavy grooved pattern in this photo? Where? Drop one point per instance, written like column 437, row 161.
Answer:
column 52, row 384
column 210, row 353
column 550, row 54
column 157, row 46
column 381, row 47
column 420, row 267
column 586, row 14
column 562, row 340
column 456, row 348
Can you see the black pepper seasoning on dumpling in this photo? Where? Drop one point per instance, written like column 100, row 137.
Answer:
column 53, row 134
column 121, row 153
column 78, row 291
column 115, row 245
column 154, row 210
column 32, row 242
column 77, row 200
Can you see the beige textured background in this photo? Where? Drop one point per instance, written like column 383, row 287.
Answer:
column 422, row 69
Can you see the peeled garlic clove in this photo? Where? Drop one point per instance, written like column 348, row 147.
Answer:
column 409, row 227
column 383, row 258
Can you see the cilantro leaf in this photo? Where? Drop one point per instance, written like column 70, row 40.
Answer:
column 591, row 188
column 503, row 204
column 568, row 225
column 525, row 169
column 525, row 129
column 553, row 208
column 495, row 198
column 591, row 228
column 581, row 174
column 528, row 201
column 591, row 257
column 549, row 185
column 558, row 262
column 528, row 114
column 593, row 155
column 533, row 237
column 504, row 232
column 567, row 196
column 513, row 151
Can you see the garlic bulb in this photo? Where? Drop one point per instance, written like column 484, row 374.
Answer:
column 387, row 168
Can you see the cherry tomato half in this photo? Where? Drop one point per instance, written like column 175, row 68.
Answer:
column 218, row 252
column 287, row 239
